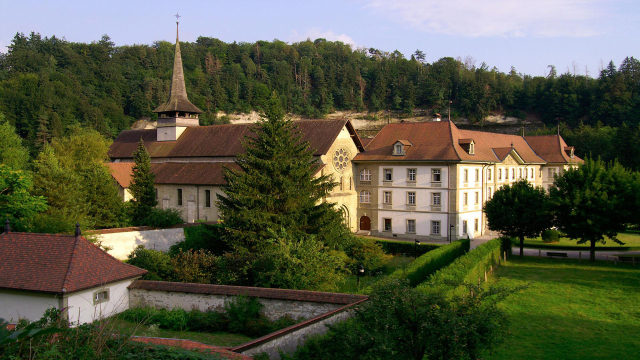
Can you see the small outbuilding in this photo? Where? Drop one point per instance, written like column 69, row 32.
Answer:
column 66, row 272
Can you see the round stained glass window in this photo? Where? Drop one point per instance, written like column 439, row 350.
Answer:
column 341, row 159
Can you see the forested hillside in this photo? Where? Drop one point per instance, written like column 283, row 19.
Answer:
column 49, row 84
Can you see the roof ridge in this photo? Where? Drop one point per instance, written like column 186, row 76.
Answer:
column 65, row 283
column 451, row 125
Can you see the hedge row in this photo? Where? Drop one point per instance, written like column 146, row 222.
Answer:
column 427, row 264
column 405, row 247
column 468, row 268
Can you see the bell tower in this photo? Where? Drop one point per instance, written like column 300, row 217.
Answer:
column 177, row 113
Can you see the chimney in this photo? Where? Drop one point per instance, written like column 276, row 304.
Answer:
column 78, row 232
column 7, row 227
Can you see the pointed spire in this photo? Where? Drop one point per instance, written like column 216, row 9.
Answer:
column 78, row 232
column 178, row 100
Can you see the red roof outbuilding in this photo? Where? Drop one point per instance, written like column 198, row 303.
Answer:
column 57, row 264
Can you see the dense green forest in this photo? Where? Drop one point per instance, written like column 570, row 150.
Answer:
column 47, row 85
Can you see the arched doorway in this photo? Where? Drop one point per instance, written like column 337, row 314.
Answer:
column 346, row 219
column 365, row 223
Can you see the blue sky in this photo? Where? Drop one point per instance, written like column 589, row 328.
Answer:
column 526, row 34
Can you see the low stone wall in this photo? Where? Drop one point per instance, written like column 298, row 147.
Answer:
column 289, row 339
column 298, row 304
column 317, row 309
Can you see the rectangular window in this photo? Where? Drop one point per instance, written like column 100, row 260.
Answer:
column 475, row 224
column 435, row 227
column 477, row 198
column 489, row 175
column 100, row 296
column 179, row 197
column 513, row 174
column 387, row 197
column 435, row 175
column 466, row 175
column 464, row 227
column 207, row 198
column 489, row 193
column 477, row 175
column 499, row 174
column 387, row 224
column 465, row 199
column 411, row 198
column 436, row 198
column 552, row 173
column 411, row 174
column 388, row 175
column 411, row 226
column 519, row 173
column 156, row 193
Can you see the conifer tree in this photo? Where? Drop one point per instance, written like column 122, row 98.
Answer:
column 142, row 189
column 276, row 188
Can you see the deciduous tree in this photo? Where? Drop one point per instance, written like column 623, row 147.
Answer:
column 595, row 200
column 519, row 210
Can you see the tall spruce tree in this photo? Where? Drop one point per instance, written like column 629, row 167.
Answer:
column 142, row 190
column 276, row 188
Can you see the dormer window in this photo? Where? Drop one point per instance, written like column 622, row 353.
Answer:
column 400, row 147
column 569, row 151
column 468, row 145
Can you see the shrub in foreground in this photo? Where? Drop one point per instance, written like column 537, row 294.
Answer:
column 157, row 263
column 405, row 247
column 399, row 322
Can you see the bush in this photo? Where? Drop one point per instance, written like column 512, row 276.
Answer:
column 405, row 247
column 241, row 310
column 158, row 264
column 202, row 237
column 466, row 269
column 550, row 236
column 506, row 245
column 162, row 218
column 429, row 263
column 368, row 253
column 195, row 266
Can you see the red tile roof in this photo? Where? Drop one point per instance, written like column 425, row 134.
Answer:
column 121, row 171
column 57, row 263
column 551, row 148
column 440, row 141
column 200, row 173
column 282, row 294
column 223, row 140
column 191, row 345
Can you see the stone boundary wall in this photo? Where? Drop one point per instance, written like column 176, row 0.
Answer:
column 289, row 339
column 122, row 241
column 317, row 309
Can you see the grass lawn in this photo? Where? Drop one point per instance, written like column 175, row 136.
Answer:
column 351, row 285
column 218, row 339
column 631, row 240
column 572, row 310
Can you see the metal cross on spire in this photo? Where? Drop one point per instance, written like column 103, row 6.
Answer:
column 177, row 17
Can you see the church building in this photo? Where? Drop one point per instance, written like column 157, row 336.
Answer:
column 189, row 160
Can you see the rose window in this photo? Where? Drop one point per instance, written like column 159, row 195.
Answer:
column 341, row 159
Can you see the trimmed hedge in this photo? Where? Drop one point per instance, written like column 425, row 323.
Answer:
column 429, row 263
column 405, row 247
column 468, row 268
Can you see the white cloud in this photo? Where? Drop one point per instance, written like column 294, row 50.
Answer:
column 507, row 18
column 315, row 33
